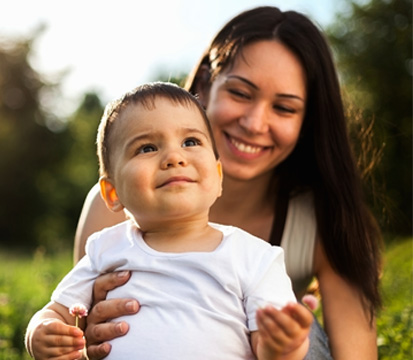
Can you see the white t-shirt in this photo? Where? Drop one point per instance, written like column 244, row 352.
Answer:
column 194, row 305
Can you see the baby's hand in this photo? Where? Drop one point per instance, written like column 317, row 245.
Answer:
column 283, row 332
column 52, row 339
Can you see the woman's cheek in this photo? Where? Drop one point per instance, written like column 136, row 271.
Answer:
column 287, row 134
column 221, row 112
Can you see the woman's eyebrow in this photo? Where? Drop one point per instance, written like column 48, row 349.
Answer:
column 291, row 96
column 244, row 80
column 251, row 84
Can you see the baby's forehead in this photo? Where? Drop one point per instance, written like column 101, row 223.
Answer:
column 160, row 110
column 144, row 109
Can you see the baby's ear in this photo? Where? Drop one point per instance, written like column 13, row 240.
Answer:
column 219, row 168
column 109, row 195
column 221, row 175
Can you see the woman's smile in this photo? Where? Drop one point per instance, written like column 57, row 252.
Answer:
column 244, row 149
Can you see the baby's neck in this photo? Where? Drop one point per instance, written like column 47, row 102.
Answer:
column 183, row 237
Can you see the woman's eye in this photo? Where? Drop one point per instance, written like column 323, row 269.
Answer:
column 191, row 142
column 239, row 94
column 146, row 149
column 284, row 109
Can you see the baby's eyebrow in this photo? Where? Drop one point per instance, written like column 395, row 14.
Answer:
column 151, row 136
column 145, row 136
column 195, row 130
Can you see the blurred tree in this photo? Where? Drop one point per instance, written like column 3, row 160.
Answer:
column 373, row 44
column 176, row 77
column 78, row 170
column 27, row 145
column 47, row 164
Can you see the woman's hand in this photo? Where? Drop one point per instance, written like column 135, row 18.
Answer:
column 98, row 331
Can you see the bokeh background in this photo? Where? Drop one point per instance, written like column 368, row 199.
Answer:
column 61, row 62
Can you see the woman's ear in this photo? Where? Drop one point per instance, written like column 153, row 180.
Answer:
column 109, row 195
column 202, row 85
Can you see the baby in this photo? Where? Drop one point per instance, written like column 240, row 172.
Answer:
column 207, row 291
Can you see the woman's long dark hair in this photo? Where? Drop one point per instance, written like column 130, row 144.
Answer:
column 322, row 160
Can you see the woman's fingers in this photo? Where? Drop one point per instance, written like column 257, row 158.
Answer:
column 111, row 309
column 100, row 333
column 98, row 352
column 107, row 282
column 96, row 336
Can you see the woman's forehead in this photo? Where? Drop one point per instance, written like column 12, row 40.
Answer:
column 268, row 61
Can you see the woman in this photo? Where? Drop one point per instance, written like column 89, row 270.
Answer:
column 271, row 93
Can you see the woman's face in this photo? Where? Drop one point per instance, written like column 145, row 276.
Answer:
column 256, row 109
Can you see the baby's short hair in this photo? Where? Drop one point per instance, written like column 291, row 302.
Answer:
column 146, row 96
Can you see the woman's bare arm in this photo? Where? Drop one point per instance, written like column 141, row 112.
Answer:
column 347, row 324
column 95, row 216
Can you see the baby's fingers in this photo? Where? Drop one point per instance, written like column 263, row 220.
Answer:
column 277, row 323
column 60, row 354
column 299, row 313
column 53, row 339
column 278, row 331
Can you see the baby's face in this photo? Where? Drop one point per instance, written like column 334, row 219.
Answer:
column 163, row 162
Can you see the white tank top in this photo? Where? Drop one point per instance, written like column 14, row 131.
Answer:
column 298, row 241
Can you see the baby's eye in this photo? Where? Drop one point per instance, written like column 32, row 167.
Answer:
column 146, row 148
column 191, row 142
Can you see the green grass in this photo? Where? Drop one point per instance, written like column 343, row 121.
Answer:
column 395, row 322
column 26, row 283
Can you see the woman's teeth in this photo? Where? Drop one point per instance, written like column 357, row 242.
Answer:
column 246, row 148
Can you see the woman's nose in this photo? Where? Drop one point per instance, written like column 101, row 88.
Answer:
column 255, row 120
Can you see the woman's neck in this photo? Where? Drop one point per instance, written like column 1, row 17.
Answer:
column 246, row 204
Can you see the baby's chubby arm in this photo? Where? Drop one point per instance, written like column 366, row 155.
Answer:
column 282, row 334
column 51, row 334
